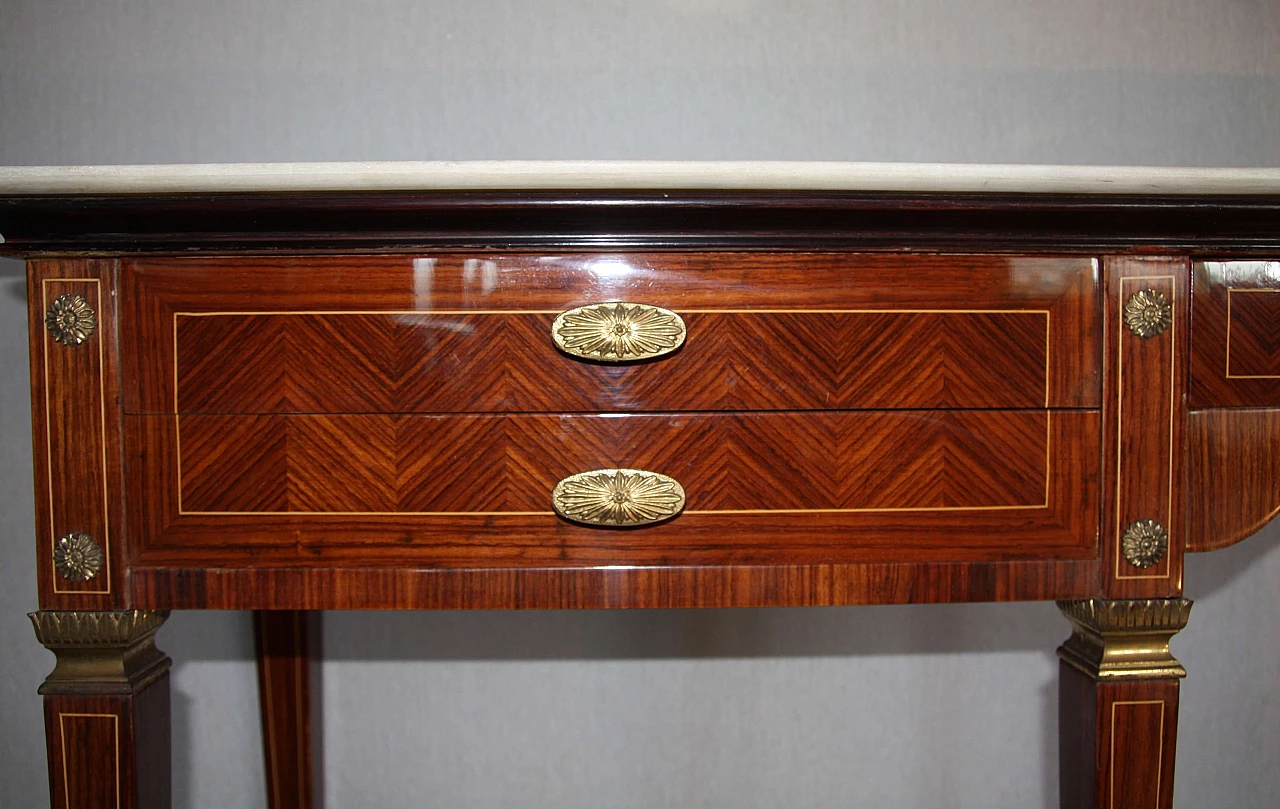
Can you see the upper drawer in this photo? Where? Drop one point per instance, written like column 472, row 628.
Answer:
column 473, row 333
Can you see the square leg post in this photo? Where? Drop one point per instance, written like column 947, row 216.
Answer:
column 106, row 710
column 1118, row 703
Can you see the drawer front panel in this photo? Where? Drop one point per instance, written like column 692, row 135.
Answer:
column 458, row 362
column 458, row 334
column 464, row 490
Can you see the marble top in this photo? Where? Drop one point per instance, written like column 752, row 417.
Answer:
column 634, row 175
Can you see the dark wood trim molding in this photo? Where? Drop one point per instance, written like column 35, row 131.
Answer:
column 366, row 221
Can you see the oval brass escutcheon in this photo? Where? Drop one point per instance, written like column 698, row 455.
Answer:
column 618, row 332
column 618, row 497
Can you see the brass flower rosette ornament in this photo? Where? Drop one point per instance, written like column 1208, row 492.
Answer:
column 70, row 320
column 618, row 332
column 618, row 497
column 77, row 557
column 1148, row 313
column 1144, row 543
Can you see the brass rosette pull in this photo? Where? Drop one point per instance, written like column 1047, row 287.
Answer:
column 618, row 332
column 618, row 497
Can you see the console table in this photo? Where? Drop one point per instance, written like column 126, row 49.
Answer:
column 293, row 388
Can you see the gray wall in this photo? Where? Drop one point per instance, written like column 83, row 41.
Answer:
column 886, row 706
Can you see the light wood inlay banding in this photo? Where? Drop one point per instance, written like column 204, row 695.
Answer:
column 1145, row 427
column 803, row 331
column 458, row 360
column 882, row 462
column 1127, row 773
column 1127, row 286
column 70, row 434
column 466, row 490
column 90, row 794
column 1235, row 351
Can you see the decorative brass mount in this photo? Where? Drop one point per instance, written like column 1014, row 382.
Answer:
column 618, row 497
column 101, row 652
column 77, row 557
column 1124, row 639
column 1148, row 313
column 70, row 320
column 618, row 332
column 1144, row 543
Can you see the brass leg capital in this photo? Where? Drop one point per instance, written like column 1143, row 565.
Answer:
column 1124, row 639
column 101, row 652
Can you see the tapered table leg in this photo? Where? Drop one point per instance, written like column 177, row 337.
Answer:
column 1118, row 703
column 106, row 710
column 288, row 645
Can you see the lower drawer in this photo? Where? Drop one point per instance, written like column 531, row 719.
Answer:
column 459, row 491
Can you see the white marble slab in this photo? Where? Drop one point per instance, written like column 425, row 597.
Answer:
column 634, row 175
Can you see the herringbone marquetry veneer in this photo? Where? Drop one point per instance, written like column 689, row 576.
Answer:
column 294, row 389
column 824, row 408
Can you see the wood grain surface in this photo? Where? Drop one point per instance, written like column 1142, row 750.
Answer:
column 1254, row 322
column 1235, row 350
column 1117, row 742
column 872, row 460
column 110, row 752
column 671, row 586
column 471, row 333
column 408, row 363
column 75, row 409
column 1080, row 765
column 1144, row 418
column 465, row 491
column 288, row 651
column 1233, row 473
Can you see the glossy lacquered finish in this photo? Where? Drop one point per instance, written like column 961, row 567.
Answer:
column 189, row 223
column 75, row 407
column 989, row 503
column 1235, row 360
column 1116, row 741
column 321, row 586
column 288, row 431
column 287, row 644
column 467, row 491
column 1234, row 467
column 827, row 414
column 1145, row 423
column 472, row 333
column 109, row 751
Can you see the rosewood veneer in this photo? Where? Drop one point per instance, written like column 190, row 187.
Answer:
column 292, row 389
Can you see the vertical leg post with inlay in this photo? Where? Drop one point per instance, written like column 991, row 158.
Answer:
column 1118, row 703
column 106, row 710
column 1118, row 688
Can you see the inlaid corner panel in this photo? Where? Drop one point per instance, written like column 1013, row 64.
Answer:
column 459, row 333
column 1235, row 358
